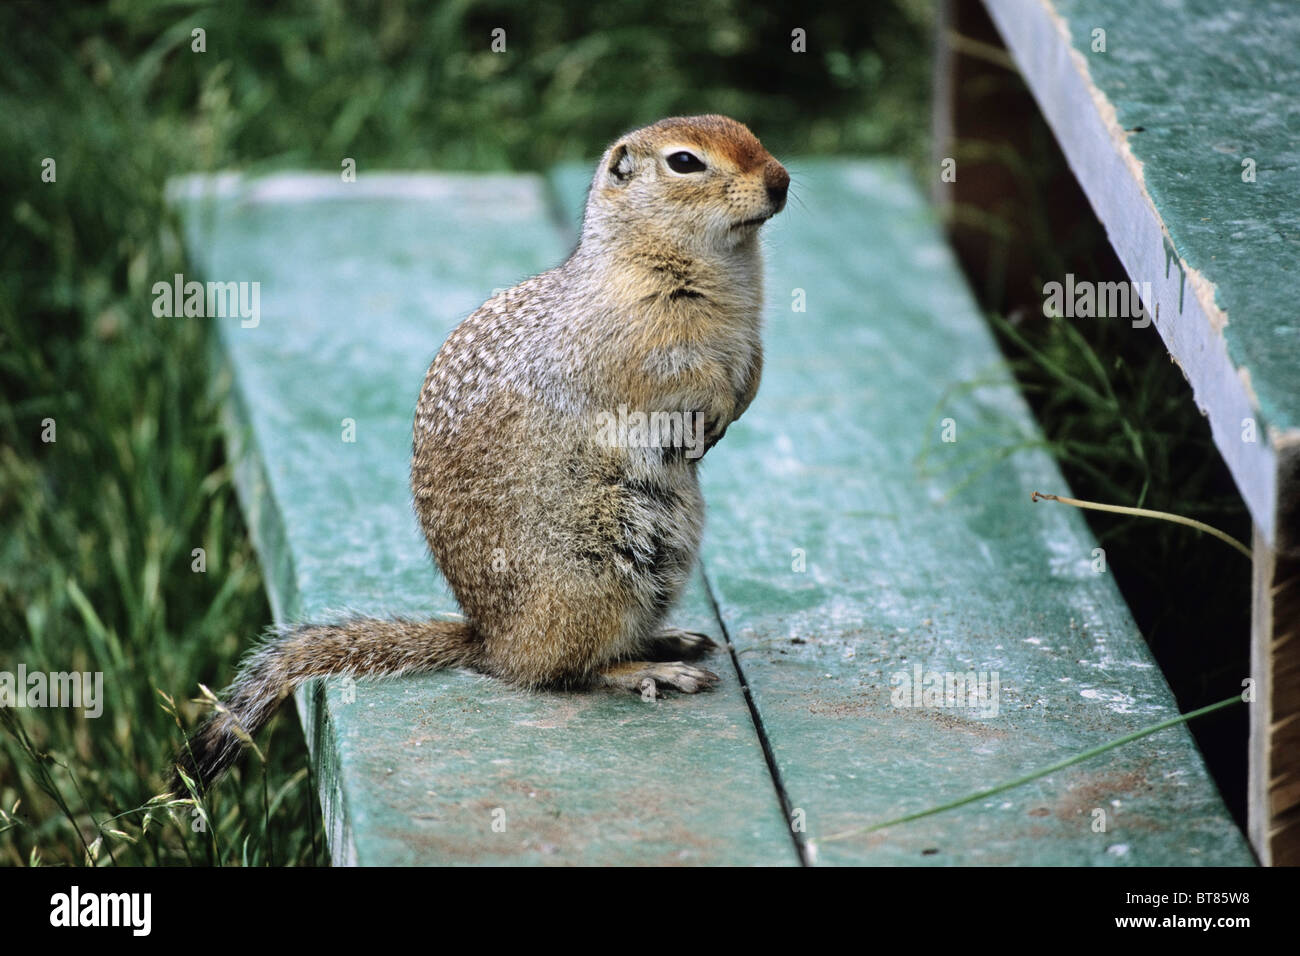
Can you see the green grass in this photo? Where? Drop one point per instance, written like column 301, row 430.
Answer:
column 97, row 528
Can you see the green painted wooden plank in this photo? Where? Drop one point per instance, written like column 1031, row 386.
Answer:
column 923, row 552
column 359, row 284
column 1210, row 85
column 1156, row 127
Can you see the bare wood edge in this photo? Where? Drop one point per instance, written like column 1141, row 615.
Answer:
column 1273, row 795
column 1261, row 671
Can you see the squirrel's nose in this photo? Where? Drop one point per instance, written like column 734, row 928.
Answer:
column 777, row 181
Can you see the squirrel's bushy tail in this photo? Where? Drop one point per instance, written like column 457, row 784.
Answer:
column 364, row 647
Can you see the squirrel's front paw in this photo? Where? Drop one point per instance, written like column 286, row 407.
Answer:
column 717, row 418
column 713, row 433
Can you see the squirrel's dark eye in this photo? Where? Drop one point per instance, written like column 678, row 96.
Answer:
column 685, row 162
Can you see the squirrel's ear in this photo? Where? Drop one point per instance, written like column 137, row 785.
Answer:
column 620, row 165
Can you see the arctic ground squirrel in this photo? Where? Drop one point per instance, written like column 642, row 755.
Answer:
column 556, row 443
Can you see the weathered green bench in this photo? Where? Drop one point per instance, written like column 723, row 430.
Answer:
column 1180, row 122
column 849, row 546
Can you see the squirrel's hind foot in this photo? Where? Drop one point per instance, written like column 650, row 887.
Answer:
column 646, row 677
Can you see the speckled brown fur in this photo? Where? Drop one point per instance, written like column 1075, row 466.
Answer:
column 564, row 550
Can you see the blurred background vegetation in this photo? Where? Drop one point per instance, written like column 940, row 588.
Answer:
column 96, row 529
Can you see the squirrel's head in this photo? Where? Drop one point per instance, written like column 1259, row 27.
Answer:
column 700, row 183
